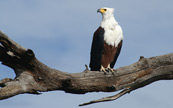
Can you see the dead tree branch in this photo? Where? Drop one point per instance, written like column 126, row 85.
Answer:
column 34, row 77
column 110, row 98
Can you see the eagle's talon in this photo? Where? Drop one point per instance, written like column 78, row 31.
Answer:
column 111, row 70
column 103, row 70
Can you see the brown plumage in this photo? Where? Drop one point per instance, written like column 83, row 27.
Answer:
column 110, row 54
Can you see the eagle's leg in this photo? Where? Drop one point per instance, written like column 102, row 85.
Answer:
column 102, row 69
column 109, row 69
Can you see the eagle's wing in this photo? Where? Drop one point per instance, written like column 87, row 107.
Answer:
column 97, row 49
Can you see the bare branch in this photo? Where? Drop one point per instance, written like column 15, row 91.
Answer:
column 34, row 77
column 110, row 98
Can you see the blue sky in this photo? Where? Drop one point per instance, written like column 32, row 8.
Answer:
column 60, row 33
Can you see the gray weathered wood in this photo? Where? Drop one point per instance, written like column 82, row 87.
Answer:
column 34, row 77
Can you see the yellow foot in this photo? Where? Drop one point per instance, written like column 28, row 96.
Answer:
column 110, row 70
column 107, row 70
column 103, row 69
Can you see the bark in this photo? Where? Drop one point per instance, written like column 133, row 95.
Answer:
column 34, row 77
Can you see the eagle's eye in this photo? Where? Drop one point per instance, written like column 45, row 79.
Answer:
column 105, row 9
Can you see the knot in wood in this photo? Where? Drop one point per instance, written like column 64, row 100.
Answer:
column 27, row 56
column 30, row 53
column 66, row 83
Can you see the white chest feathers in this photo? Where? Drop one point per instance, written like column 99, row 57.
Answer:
column 113, row 33
column 113, row 36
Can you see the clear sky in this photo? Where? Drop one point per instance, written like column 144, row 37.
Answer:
column 60, row 33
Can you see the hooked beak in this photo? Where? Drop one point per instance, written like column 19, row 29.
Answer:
column 98, row 10
column 102, row 10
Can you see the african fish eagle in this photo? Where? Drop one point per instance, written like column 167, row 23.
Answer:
column 107, row 42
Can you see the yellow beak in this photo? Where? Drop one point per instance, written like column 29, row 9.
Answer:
column 101, row 10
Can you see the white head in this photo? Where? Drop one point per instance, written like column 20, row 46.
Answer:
column 106, row 12
column 108, row 19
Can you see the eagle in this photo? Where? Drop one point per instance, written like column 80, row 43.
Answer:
column 107, row 42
